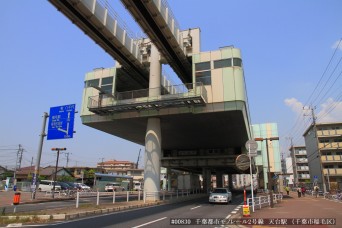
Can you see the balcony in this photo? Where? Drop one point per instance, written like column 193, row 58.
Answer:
column 300, row 153
column 331, row 158
column 139, row 100
column 323, row 133
column 333, row 172
column 302, row 168
column 302, row 160
column 304, row 176
column 330, row 145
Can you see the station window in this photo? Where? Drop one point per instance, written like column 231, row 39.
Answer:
column 237, row 62
column 204, row 77
column 94, row 82
column 107, row 84
column 202, row 66
column 222, row 63
column 203, row 73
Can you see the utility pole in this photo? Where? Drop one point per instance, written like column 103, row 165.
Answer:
column 39, row 155
column 67, row 155
column 137, row 165
column 294, row 163
column 318, row 150
column 317, row 144
column 55, row 179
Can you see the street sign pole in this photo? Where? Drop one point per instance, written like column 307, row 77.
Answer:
column 251, row 173
column 39, row 155
column 251, row 145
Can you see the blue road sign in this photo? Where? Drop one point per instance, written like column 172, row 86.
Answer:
column 61, row 122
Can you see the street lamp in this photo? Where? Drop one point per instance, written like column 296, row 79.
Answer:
column 268, row 163
column 55, row 179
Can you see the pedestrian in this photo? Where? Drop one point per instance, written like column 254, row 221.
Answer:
column 299, row 191
column 316, row 189
column 303, row 191
column 287, row 189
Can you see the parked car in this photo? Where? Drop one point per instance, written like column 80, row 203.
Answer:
column 220, row 195
column 65, row 186
column 73, row 186
column 138, row 186
column 83, row 187
column 114, row 186
column 47, row 185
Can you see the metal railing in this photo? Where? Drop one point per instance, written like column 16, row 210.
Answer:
column 262, row 201
column 174, row 92
column 135, row 195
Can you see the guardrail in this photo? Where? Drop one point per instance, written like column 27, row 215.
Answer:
column 262, row 201
column 135, row 195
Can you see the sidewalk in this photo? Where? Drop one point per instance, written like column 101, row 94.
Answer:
column 295, row 210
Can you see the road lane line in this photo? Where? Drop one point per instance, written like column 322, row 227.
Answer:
column 194, row 207
column 149, row 222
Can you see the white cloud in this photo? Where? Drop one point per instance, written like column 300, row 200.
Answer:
column 295, row 105
column 331, row 111
column 337, row 43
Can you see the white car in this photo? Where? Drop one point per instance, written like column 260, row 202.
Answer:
column 116, row 187
column 47, row 186
column 83, row 187
column 220, row 195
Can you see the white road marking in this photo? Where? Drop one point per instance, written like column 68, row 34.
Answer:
column 15, row 225
column 149, row 222
column 194, row 207
column 228, row 216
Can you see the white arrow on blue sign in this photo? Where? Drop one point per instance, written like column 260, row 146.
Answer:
column 61, row 122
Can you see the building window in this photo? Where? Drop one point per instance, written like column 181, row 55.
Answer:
column 203, row 73
column 204, row 77
column 107, row 84
column 202, row 66
column 237, row 62
column 222, row 63
column 90, row 83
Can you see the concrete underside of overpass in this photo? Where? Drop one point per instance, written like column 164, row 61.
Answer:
column 190, row 141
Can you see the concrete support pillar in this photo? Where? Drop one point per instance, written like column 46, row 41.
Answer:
column 153, row 135
column 219, row 179
column 230, row 181
column 206, row 180
column 152, row 158
column 168, row 179
column 155, row 72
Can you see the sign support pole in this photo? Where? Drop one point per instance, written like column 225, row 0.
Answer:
column 251, row 173
column 39, row 155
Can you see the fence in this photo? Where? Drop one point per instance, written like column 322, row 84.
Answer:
column 262, row 201
column 133, row 196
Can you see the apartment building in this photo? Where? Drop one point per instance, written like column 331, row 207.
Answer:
column 324, row 147
column 116, row 167
column 300, row 165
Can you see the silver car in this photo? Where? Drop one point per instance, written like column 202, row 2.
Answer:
column 220, row 195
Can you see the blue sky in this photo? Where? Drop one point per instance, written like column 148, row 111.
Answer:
column 286, row 47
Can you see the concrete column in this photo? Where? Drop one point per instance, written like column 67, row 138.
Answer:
column 155, row 72
column 153, row 135
column 168, row 171
column 152, row 158
column 206, row 180
column 230, row 181
column 219, row 180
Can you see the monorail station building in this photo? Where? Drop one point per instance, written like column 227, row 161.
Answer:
column 199, row 126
